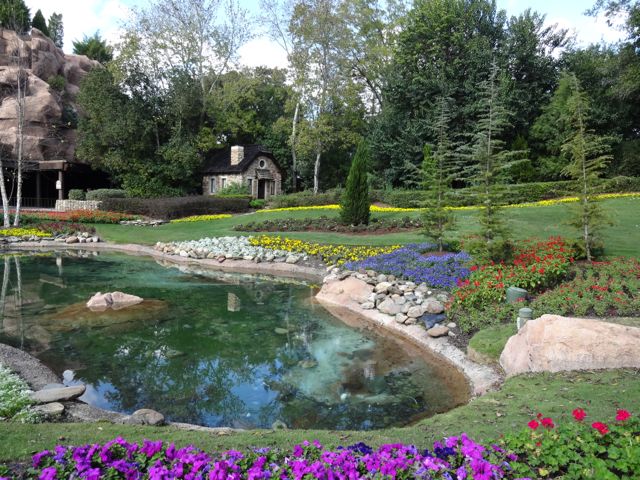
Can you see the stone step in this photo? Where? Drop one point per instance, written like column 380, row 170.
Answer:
column 60, row 394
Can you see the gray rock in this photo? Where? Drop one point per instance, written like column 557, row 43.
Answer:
column 121, row 300
column 451, row 325
column 415, row 312
column 389, row 307
column 431, row 319
column 442, row 297
column 50, row 410
column 58, row 394
column 292, row 259
column 367, row 306
column 145, row 416
column 431, row 305
column 411, row 321
column 71, row 240
column 382, row 287
column 438, row 331
column 382, row 278
column 400, row 318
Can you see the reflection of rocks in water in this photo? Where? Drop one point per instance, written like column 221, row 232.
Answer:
column 78, row 316
column 233, row 302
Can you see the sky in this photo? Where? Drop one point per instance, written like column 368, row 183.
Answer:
column 85, row 17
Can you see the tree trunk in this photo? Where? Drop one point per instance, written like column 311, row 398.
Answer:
column 5, row 199
column 19, row 159
column 294, row 127
column 316, row 172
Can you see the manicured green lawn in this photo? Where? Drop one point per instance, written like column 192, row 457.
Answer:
column 621, row 239
column 485, row 418
column 491, row 340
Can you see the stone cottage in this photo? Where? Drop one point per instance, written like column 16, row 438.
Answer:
column 250, row 165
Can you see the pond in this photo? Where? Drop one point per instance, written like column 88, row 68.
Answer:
column 214, row 349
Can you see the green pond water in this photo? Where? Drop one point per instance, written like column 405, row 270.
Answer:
column 213, row 349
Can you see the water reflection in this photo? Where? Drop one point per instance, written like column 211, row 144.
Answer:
column 212, row 349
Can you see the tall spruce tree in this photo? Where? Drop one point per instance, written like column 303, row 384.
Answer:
column 354, row 208
column 15, row 15
column 56, row 29
column 40, row 23
column 589, row 155
column 438, row 169
column 491, row 159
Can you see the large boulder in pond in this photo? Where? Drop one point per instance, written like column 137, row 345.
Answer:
column 553, row 343
column 348, row 290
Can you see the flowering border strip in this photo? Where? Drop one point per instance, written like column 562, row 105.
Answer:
column 201, row 218
column 541, row 203
column 23, row 232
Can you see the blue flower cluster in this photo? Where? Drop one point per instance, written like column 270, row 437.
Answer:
column 412, row 263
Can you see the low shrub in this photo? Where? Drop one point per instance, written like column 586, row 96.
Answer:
column 413, row 262
column 176, row 207
column 577, row 449
column 75, row 216
column 57, row 83
column 601, row 289
column 15, row 402
column 105, row 193
column 330, row 254
column 257, row 203
column 306, row 199
column 325, row 224
column 233, row 189
column 77, row 194
column 65, row 228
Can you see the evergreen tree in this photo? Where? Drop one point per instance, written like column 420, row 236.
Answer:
column 40, row 23
column 56, row 29
column 15, row 15
column 589, row 155
column 491, row 159
column 354, row 208
column 438, row 169
column 94, row 47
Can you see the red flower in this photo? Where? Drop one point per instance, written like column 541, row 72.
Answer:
column 601, row 427
column 622, row 415
column 533, row 425
column 538, row 444
column 474, row 268
column 541, row 271
column 579, row 414
column 547, row 422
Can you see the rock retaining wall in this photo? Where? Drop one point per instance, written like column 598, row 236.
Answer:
column 69, row 205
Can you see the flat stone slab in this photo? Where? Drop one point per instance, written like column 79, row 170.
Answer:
column 58, row 394
column 54, row 409
column 553, row 343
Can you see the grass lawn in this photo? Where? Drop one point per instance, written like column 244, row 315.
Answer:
column 485, row 418
column 621, row 239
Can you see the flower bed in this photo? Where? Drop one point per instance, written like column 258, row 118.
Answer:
column 24, row 232
column 65, row 228
column 411, row 263
column 479, row 300
column 602, row 289
column 15, row 402
column 77, row 216
column 325, row 224
column 330, row 254
column 201, row 218
column 576, row 449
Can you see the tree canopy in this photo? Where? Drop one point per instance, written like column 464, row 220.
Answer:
column 94, row 47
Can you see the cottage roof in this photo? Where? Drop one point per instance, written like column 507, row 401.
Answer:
column 220, row 160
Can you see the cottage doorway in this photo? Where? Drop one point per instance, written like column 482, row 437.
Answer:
column 262, row 189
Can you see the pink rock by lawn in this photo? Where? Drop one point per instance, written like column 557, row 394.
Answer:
column 553, row 343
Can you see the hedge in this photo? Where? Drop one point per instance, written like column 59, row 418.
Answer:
column 306, row 199
column 176, row 207
column 104, row 193
column 76, row 194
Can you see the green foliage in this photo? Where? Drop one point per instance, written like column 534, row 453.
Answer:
column 104, row 193
column 56, row 29
column 15, row 402
column 257, row 203
column 354, row 207
column 307, row 198
column 234, row 188
column 76, row 194
column 15, row 15
column 589, row 155
column 57, row 83
column 94, row 47
column 490, row 341
column 437, row 173
column 40, row 23
column 575, row 449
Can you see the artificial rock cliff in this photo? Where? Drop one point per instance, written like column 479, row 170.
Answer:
column 50, row 114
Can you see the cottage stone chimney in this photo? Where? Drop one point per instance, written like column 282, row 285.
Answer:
column 237, row 154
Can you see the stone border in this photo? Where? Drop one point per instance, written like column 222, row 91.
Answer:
column 481, row 378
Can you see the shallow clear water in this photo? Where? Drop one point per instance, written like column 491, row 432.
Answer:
column 214, row 349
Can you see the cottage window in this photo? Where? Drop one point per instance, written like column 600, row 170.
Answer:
column 262, row 163
column 250, row 184
column 272, row 188
column 223, row 182
column 212, row 185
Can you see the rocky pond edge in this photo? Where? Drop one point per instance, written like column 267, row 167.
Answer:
column 479, row 377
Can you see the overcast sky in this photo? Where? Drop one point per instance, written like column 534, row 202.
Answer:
column 85, row 17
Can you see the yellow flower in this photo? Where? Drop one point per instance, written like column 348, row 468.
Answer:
column 23, row 232
column 201, row 218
